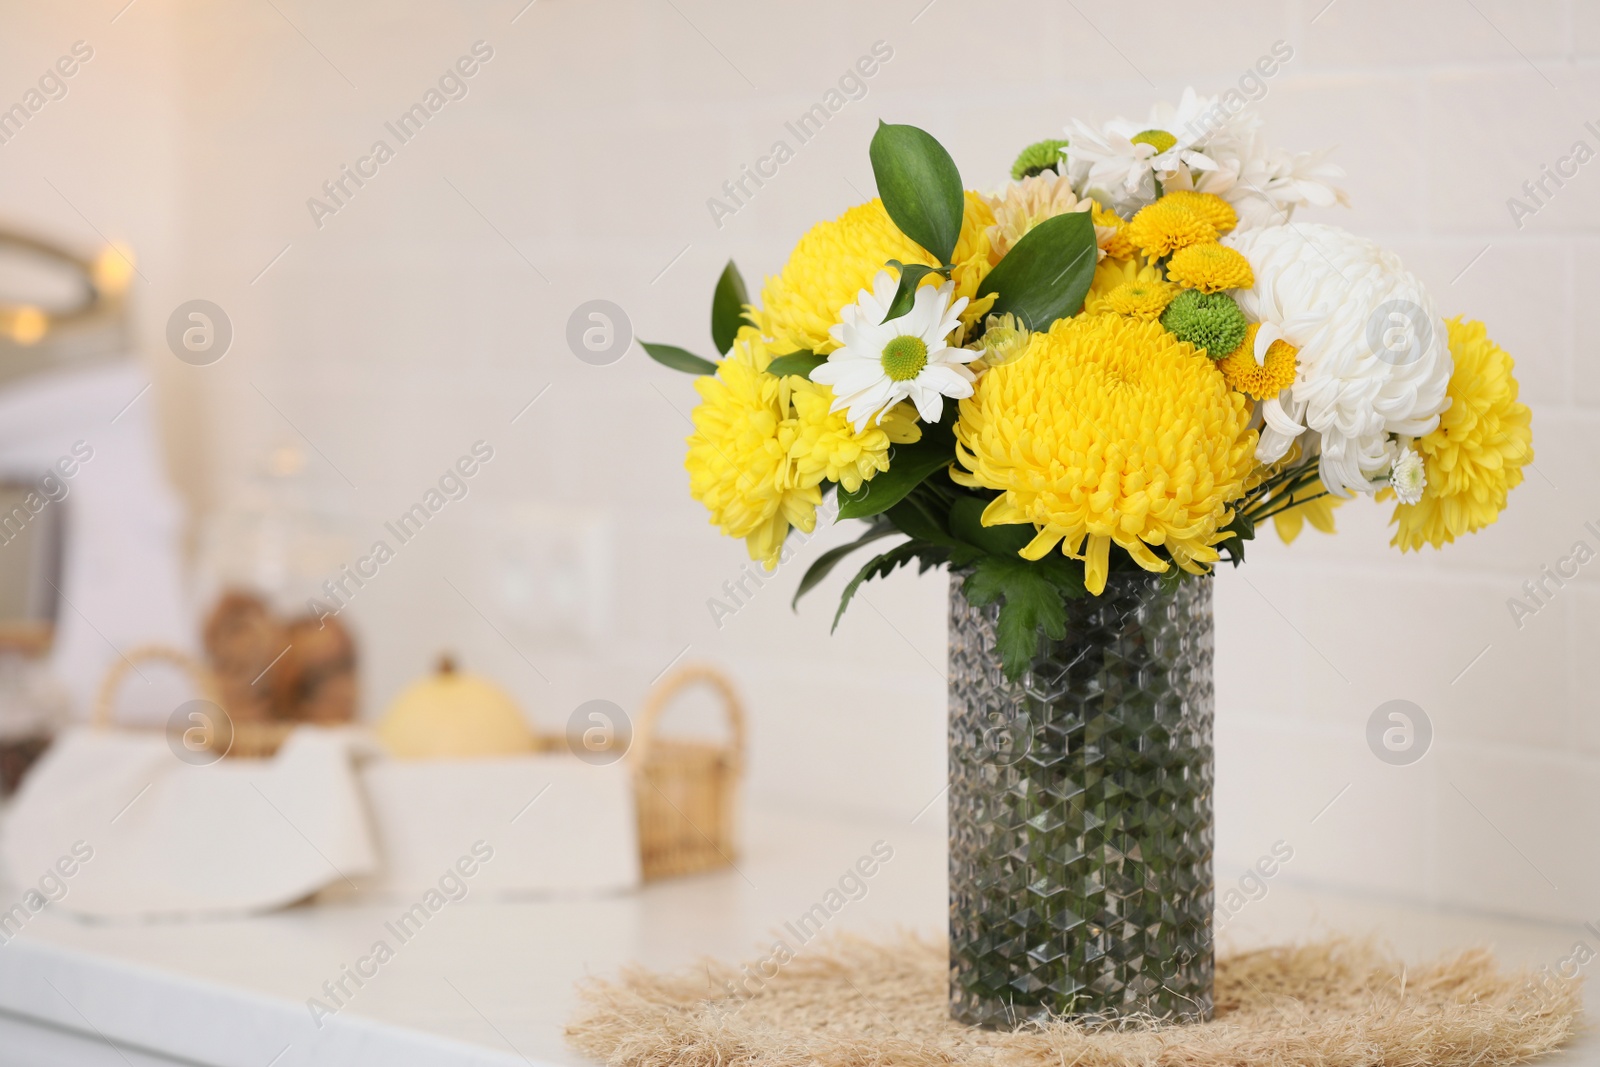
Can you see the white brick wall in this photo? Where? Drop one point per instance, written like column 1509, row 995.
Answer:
column 408, row 326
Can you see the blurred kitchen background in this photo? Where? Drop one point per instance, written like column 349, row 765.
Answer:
column 372, row 346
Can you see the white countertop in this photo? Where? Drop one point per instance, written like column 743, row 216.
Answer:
column 492, row 982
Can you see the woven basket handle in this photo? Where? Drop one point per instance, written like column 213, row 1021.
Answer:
column 105, row 699
column 644, row 730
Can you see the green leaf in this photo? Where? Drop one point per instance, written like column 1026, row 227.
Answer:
column 909, row 465
column 881, row 566
column 1046, row 274
column 911, row 276
column 1065, row 574
column 799, row 363
column 1031, row 607
column 920, row 187
column 1008, row 539
column 824, row 564
column 916, row 518
column 966, row 522
column 1243, row 528
column 727, row 308
column 678, row 359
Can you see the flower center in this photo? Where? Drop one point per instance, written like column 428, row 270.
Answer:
column 1160, row 140
column 904, row 357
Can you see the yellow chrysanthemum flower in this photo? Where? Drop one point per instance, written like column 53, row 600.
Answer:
column 826, row 447
column 1124, row 287
column 1110, row 231
column 738, row 462
column 1161, row 228
column 1318, row 512
column 1475, row 457
column 1109, row 430
column 1210, row 268
column 1265, row 380
column 835, row 260
column 1208, row 206
column 1024, row 205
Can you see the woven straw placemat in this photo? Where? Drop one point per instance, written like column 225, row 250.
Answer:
column 856, row 1003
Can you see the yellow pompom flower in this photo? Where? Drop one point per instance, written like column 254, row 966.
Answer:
column 1110, row 273
column 1161, row 228
column 837, row 259
column 1264, row 380
column 1475, row 457
column 1140, row 299
column 827, row 447
column 1110, row 232
column 738, row 462
column 1208, row 206
column 1123, row 287
column 1109, row 430
column 1210, row 268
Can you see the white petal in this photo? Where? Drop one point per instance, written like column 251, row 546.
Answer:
column 855, row 376
column 951, row 381
column 884, row 286
column 954, row 355
column 1266, row 334
column 864, row 406
column 930, row 404
column 829, row 373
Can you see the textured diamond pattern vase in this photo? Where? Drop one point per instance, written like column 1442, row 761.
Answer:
column 1080, row 811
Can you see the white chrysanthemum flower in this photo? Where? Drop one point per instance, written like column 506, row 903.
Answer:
column 1123, row 160
column 879, row 364
column 1408, row 478
column 1374, row 362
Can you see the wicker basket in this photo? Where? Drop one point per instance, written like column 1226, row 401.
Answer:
column 686, row 791
column 248, row 740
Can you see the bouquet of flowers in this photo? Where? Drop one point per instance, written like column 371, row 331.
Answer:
column 1147, row 358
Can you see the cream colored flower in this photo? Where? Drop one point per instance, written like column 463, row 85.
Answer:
column 1024, row 205
column 1408, row 479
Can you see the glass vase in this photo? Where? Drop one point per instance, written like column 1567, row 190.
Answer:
column 1080, row 811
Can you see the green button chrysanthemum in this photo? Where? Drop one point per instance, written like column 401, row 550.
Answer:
column 1036, row 158
column 1209, row 321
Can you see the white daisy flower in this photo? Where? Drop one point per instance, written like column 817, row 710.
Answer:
column 1374, row 361
column 1204, row 146
column 1408, row 478
column 879, row 364
column 1124, row 159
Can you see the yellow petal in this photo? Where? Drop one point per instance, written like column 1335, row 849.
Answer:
column 1040, row 546
column 1001, row 512
column 1097, row 563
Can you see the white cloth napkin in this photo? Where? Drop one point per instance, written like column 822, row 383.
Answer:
column 554, row 825
column 167, row 838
